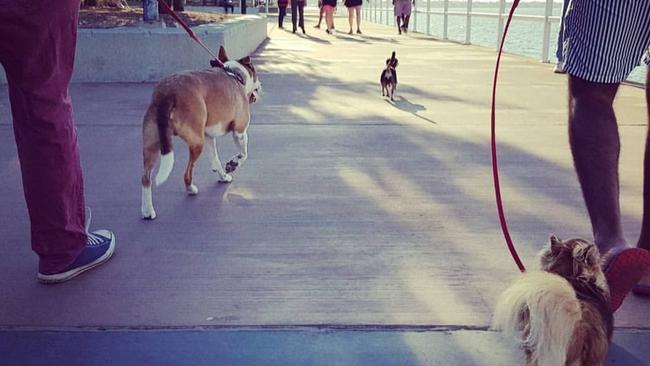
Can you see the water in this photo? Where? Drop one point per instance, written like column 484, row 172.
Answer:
column 525, row 37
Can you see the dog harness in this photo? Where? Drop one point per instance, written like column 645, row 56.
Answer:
column 234, row 75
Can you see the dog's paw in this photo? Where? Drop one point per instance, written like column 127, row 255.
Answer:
column 226, row 178
column 192, row 190
column 148, row 214
column 231, row 166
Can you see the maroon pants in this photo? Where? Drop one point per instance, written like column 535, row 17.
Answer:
column 37, row 46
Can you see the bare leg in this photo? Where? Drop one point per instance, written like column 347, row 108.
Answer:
column 350, row 18
column 593, row 135
column 329, row 20
column 320, row 16
column 398, row 20
column 595, row 145
column 644, row 238
column 357, row 9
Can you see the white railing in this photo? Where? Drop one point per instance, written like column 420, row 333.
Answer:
column 381, row 11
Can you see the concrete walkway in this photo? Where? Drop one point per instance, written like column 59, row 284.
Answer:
column 351, row 211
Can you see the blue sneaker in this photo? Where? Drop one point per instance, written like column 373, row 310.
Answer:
column 100, row 246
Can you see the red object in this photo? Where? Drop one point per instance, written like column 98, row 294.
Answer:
column 495, row 166
column 37, row 50
column 623, row 272
column 190, row 32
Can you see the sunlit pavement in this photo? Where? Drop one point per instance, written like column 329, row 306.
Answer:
column 359, row 232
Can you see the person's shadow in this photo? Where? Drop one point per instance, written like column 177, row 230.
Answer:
column 620, row 356
column 405, row 105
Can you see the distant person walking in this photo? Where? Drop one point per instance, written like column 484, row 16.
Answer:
column 354, row 6
column 329, row 6
column 559, row 52
column 228, row 4
column 402, row 10
column 298, row 6
column 282, row 11
column 321, row 12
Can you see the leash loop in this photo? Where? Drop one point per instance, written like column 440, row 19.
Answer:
column 495, row 167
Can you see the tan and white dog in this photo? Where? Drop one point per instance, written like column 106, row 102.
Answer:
column 197, row 105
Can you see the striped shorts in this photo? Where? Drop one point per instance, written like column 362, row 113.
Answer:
column 604, row 40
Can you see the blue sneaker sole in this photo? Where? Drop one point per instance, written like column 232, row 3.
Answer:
column 68, row 275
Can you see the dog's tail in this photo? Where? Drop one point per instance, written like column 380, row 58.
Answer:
column 165, row 132
column 540, row 311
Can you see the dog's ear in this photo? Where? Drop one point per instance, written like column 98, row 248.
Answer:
column 223, row 57
column 245, row 61
column 556, row 244
column 592, row 258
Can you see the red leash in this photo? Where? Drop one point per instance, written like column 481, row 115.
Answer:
column 495, row 167
column 190, row 32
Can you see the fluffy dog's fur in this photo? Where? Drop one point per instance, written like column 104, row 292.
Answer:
column 388, row 77
column 559, row 315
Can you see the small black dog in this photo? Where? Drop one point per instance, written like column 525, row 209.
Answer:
column 388, row 78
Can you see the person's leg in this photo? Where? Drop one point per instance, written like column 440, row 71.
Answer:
column 357, row 9
column 559, row 50
column 593, row 135
column 350, row 18
column 282, row 10
column 603, row 42
column 329, row 18
column 294, row 14
column 327, row 10
column 644, row 238
column 398, row 22
column 301, row 17
column 321, row 12
column 38, row 61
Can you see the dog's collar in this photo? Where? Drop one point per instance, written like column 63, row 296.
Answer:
column 235, row 75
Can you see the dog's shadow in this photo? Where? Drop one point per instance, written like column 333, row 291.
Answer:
column 405, row 105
